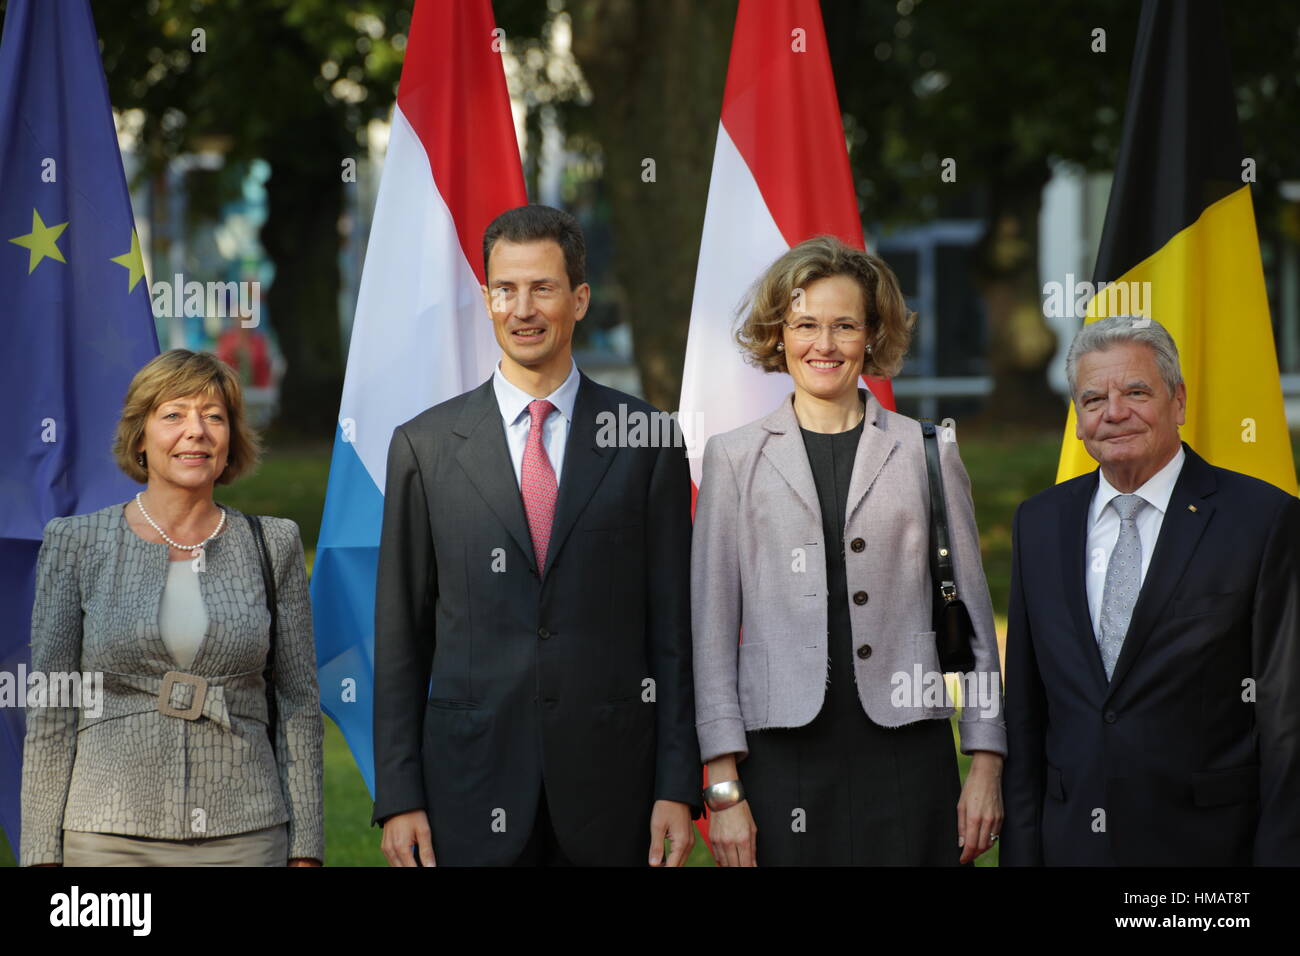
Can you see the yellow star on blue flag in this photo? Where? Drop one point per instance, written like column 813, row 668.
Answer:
column 70, row 342
column 41, row 242
column 132, row 261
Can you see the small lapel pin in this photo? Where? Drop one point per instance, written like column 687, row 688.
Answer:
column 1191, row 508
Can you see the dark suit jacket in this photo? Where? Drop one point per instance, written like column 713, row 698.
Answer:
column 1174, row 762
column 490, row 679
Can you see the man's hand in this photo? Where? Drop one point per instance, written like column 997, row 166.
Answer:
column 404, row 830
column 673, row 820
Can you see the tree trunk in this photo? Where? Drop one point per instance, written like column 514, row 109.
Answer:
column 660, row 102
column 1021, row 344
column 301, row 237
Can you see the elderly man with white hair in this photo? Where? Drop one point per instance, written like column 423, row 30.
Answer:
column 1153, row 639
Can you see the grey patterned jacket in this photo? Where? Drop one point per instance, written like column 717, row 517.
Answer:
column 133, row 769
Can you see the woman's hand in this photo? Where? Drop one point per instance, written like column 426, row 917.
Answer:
column 732, row 832
column 979, row 811
column 733, row 835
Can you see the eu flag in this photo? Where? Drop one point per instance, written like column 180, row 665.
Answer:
column 75, row 317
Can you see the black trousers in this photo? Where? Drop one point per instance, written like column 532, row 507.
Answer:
column 542, row 849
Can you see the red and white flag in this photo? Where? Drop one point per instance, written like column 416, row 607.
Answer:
column 780, row 176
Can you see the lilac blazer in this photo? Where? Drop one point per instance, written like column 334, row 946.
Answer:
column 758, row 566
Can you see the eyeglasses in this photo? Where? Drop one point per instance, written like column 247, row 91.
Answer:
column 809, row 330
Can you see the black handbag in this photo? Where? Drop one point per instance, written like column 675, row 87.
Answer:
column 953, row 630
column 268, row 581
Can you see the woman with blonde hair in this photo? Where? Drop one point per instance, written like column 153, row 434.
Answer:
column 205, row 747
column 812, row 599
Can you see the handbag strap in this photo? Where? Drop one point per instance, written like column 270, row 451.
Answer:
column 941, row 568
column 268, row 582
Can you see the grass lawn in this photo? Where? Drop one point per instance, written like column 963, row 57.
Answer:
column 1006, row 466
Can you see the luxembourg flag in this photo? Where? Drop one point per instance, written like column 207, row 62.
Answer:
column 421, row 335
column 780, row 176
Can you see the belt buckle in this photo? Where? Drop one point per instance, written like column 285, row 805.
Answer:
column 171, row 679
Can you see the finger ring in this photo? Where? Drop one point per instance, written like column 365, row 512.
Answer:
column 994, row 837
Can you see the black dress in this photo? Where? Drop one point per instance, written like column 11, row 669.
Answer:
column 842, row 790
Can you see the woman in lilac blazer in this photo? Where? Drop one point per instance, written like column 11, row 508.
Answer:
column 812, row 541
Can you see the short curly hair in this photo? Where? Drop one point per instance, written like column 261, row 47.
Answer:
column 765, row 308
column 176, row 374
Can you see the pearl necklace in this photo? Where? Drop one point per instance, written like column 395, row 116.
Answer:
column 196, row 549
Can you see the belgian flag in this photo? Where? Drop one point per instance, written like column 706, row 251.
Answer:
column 1180, row 218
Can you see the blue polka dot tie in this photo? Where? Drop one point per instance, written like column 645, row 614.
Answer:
column 1123, row 581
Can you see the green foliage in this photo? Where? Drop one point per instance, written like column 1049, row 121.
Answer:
column 266, row 63
column 1002, row 88
column 290, row 483
column 1006, row 466
column 1006, row 87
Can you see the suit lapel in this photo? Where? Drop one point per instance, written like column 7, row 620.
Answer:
column 585, row 464
column 485, row 458
column 784, row 448
column 1073, row 534
column 874, row 448
column 1180, row 532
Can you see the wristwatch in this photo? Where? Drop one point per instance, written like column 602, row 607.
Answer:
column 724, row 795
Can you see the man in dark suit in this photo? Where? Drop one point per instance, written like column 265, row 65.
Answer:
column 1153, row 639
column 534, row 701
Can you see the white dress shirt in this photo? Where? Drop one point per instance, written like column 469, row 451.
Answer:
column 514, row 402
column 1103, row 528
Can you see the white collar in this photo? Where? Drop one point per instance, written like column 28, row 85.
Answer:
column 514, row 401
column 1156, row 491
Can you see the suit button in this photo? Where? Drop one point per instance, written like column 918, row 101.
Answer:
column 864, row 651
column 1111, row 717
column 543, row 633
column 860, row 597
column 857, row 544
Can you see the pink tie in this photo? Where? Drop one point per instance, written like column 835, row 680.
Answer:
column 538, row 482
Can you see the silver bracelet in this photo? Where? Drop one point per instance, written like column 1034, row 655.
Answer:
column 723, row 796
